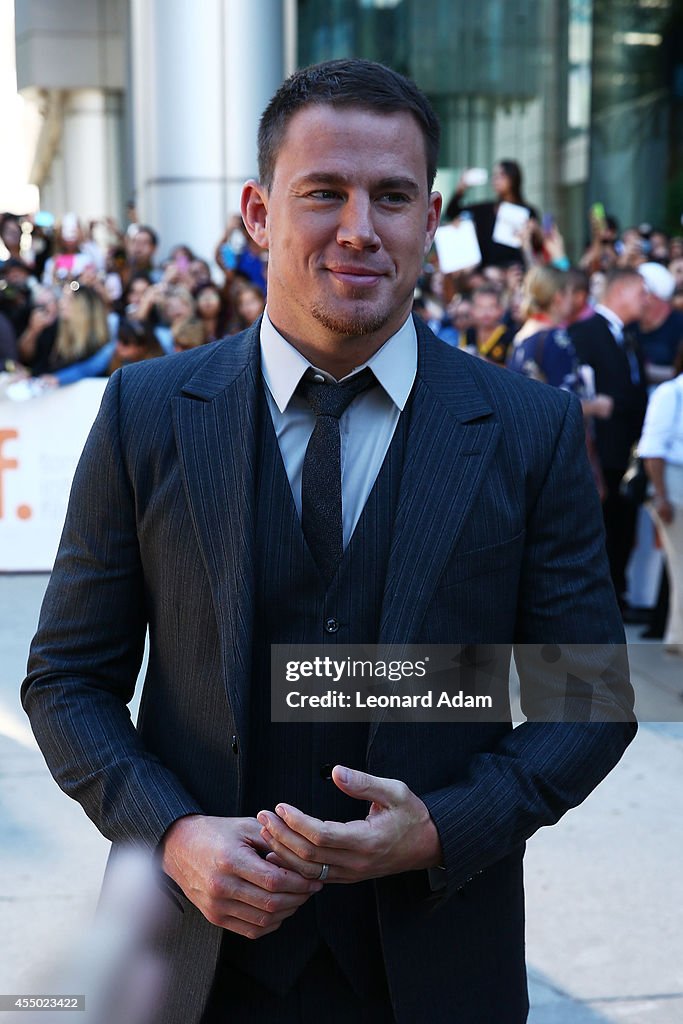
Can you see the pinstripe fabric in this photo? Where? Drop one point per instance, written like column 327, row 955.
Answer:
column 285, row 760
column 497, row 537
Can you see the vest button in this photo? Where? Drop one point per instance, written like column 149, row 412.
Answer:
column 331, row 625
column 234, row 745
column 326, row 771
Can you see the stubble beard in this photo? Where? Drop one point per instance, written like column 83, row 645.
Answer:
column 351, row 325
column 363, row 316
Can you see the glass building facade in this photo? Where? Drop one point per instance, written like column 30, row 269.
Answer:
column 587, row 95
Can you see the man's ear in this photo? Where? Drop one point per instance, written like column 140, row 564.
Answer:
column 433, row 218
column 254, row 210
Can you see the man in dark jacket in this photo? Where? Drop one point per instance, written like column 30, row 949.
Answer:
column 607, row 343
column 456, row 507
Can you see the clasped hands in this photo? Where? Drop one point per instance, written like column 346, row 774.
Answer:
column 248, row 875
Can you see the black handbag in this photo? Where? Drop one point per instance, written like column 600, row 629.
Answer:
column 634, row 483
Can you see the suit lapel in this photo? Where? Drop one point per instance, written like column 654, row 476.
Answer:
column 451, row 440
column 215, row 424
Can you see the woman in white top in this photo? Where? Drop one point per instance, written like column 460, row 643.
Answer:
column 661, row 448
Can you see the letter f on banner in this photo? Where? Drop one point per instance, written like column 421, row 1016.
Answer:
column 5, row 435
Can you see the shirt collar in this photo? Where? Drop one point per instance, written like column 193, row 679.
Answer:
column 394, row 364
column 616, row 323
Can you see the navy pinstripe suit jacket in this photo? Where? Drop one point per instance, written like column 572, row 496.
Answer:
column 497, row 538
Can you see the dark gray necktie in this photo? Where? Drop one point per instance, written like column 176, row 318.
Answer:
column 321, row 494
column 630, row 344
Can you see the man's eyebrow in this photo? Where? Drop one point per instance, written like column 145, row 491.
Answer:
column 399, row 184
column 394, row 184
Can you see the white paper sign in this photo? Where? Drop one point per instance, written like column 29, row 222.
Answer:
column 509, row 223
column 40, row 443
column 457, row 247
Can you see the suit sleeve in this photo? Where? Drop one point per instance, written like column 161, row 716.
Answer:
column 543, row 768
column 88, row 649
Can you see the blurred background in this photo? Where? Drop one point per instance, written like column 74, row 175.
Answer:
column 155, row 102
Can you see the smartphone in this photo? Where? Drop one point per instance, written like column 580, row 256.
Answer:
column 597, row 213
column 548, row 223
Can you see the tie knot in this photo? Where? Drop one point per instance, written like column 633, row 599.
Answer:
column 328, row 399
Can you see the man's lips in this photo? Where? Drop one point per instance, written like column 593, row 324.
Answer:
column 356, row 275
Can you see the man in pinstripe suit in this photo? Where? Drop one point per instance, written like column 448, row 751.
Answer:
column 468, row 516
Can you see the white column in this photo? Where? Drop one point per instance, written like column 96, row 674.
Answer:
column 91, row 153
column 53, row 189
column 202, row 74
column 255, row 55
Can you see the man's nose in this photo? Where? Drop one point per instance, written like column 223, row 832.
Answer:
column 356, row 225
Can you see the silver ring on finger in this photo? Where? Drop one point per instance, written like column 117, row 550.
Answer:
column 324, row 872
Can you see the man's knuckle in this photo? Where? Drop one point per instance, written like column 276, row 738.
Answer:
column 215, row 887
column 402, row 790
column 224, row 864
column 321, row 835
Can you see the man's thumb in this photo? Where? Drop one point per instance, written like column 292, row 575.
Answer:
column 362, row 786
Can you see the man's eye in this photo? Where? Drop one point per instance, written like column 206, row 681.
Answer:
column 394, row 198
column 324, row 193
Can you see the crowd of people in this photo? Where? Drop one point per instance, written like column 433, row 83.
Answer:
column 608, row 328
column 76, row 303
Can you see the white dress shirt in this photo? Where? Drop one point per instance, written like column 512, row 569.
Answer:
column 662, row 436
column 366, row 427
column 615, row 323
column 616, row 326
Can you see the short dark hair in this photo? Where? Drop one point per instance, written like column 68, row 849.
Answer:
column 488, row 289
column 617, row 275
column 578, row 280
column 135, row 332
column 345, row 83
column 153, row 237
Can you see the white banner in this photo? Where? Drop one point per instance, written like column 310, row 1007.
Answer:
column 41, row 440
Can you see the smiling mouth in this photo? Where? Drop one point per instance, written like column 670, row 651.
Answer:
column 357, row 276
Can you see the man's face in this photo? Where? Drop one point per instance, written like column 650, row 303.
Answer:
column 142, row 247
column 486, row 311
column 653, row 309
column 347, row 222
column 638, row 297
column 631, row 299
column 462, row 315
